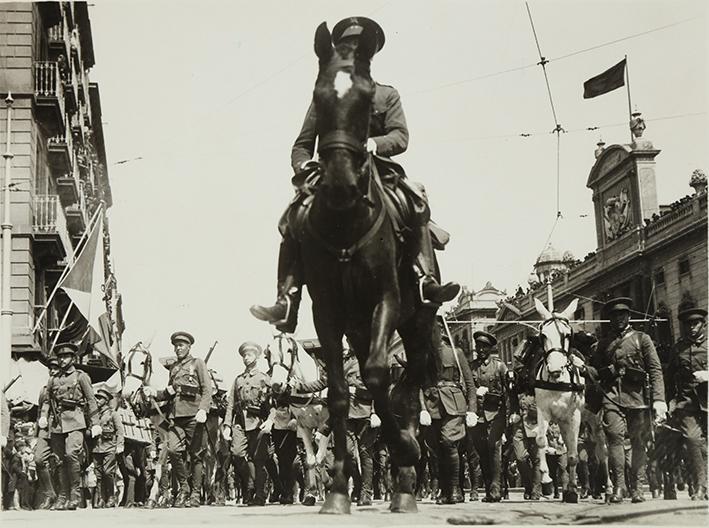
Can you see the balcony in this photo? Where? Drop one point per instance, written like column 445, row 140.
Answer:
column 50, row 226
column 77, row 214
column 68, row 186
column 49, row 96
column 58, row 39
column 60, row 151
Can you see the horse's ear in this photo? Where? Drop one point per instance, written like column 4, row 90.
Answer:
column 542, row 310
column 570, row 309
column 323, row 43
column 368, row 42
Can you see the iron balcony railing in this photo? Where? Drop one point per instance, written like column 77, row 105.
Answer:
column 48, row 83
column 49, row 219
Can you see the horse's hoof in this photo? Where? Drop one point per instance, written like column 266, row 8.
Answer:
column 547, row 488
column 336, row 503
column 403, row 503
column 571, row 497
column 309, row 501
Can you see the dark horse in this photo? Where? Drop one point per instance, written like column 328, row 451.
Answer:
column 360, row 278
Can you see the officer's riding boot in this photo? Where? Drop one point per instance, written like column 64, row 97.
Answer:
column 496, row 472
column 63, row 496
column 449, row 464
column 196, row 484
column 616, row 466
column 284, row 314
column 178, row 469
column 45, row 482
column 430, row 291
column 75, row 491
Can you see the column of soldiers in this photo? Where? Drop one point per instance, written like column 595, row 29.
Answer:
column 469, row 408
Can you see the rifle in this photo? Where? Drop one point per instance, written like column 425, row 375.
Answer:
column 648, row 397
column 7, row 387
column 209, row 353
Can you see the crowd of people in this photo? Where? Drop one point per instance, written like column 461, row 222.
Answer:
column 477, row 430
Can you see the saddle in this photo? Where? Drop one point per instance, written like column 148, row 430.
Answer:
column 405, row 201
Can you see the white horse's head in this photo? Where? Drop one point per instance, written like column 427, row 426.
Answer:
column 137, row 369
column 288, row 361
column 555, row 336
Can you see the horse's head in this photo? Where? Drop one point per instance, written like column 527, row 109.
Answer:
column 343, row 96
column 555, row 335
column 282, row 355
column 137, row 368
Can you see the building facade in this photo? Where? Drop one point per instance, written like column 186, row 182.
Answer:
column 58, row 169
column 655, row 254
column 475, row 310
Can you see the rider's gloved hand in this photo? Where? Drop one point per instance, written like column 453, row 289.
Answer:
column 371, row 146
column 226, row 433
column 374, row 421
column 425, row 418
column 201, row 416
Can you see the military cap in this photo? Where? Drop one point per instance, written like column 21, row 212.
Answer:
column 353, row 26
column 485, row 337
column 103, row 392
column 618, row 303
column 249, row 345
column 63, row 349
column 53, row 361
column 692, row 313
column 184, row 337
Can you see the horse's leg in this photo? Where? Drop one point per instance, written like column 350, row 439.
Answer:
column 570, row 434
column 337, row 500
column 542, row 425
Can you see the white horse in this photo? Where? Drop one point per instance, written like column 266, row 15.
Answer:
column 559, row 391
column 290, row 365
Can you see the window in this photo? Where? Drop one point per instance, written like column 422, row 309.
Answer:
column 684, row 265
column 659, row 277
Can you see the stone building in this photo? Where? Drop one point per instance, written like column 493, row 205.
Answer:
column 474, row 311
column 656, row 254
column 58, row 169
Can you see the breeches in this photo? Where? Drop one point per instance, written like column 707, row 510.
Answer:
column 618, row 424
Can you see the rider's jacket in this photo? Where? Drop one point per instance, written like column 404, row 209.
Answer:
column 628, row 370
column 69, row 396
column 688, row 357
column 192, row 385
column 387, row 127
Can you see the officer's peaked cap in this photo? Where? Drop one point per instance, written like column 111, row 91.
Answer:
column 63, row 349
column 618, row 304
column 249, row 346
column 184, row 337
column 485, row 337
column 353, row 26
column 692, row 313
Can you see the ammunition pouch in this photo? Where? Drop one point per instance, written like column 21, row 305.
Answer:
column 363, row 395
column 634, row 377
column 188, row 392
column 69, row 405
column 492, row 401
column 253, row 410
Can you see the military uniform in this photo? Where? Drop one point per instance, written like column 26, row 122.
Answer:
column 448, row 396
column 247, row 408
column 190, row 391
column 44, row 461
column 69, row 396
column 525, row 447
column 628, row 369
column 689, row 395
column 107, row 446
column 487, row 434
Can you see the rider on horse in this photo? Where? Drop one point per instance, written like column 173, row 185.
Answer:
column 388, row 136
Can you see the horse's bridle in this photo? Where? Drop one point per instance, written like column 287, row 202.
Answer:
column 147, row 366
column 293, row 357
column 568, row 338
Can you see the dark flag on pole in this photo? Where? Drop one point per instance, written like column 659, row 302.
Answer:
column 608, row 81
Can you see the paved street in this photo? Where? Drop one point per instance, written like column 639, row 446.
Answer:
column 681, row 512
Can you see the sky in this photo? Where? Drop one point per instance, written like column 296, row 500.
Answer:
column 211, row 94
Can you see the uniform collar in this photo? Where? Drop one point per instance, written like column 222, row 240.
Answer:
column 184, row 360
column 625, row 331
column 699, row 340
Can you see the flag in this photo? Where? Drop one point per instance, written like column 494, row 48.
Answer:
column 84, row 284
column 608, row 81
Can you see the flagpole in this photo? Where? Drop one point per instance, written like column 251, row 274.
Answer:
column 630, row 106
column 61, row 326
column 67, row 269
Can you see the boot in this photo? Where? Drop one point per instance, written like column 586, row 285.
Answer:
column 182, row 498
column 637, row 496
column 60, row 503
column 45, row 483
column 430, row 290
column 284, row 314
